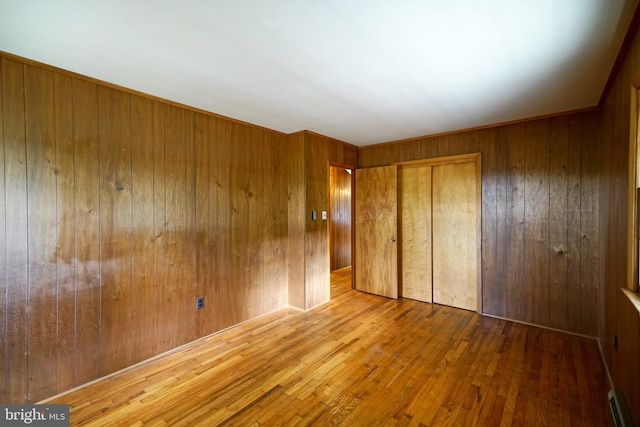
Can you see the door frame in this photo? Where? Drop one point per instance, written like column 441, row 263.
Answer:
column 352, row 168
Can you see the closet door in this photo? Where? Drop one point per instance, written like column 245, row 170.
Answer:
column 376, row 231
column 414, row 204
column 455, row 235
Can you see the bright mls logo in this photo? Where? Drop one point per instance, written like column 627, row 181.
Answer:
column 34, row 415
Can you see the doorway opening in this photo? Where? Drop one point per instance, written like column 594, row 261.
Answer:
column 341, row 217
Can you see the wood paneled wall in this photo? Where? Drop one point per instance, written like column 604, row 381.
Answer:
column 618, row 317
column 340, row 218
column 310, row 157
column 540, row 194
column 320, row 151
column 116, row 211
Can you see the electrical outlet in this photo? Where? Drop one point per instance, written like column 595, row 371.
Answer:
column 199, row 303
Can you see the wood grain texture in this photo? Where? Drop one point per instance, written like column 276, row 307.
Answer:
column 310, row 157
column 114, row 134
column 536, row 220
column 454, row 241
column 159, row 228
column 42, row 241
column 123, row 209
column 296, row 222
column 65, row 232
column 559, row 295
column 589, row 232
column 177, row 128
column 376, row 230
column 362, row 360
column 142, row 328
column 507, row 217
column 15, row 169
column 628, row 349
column 340, row 218
column 415, row 232
column 205, row 223
column 619, row 319
column 517, row 293
column 86, row 210
column 317, row 263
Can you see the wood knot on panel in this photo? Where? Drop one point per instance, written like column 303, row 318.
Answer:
column 560, row 249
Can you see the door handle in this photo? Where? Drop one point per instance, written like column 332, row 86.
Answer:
column 393, row 239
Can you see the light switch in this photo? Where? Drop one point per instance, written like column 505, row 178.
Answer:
column 324, row 214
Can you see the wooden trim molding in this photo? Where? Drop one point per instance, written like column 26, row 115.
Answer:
column 483, row 127
column 632, row 192
column 460, row 158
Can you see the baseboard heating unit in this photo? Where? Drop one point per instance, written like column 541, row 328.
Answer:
column 619, row 409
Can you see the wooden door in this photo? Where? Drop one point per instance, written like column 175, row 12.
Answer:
column 455, row 235
column 376, row 228
column 414, row 205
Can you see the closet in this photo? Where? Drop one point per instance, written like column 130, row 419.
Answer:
column 417, row 231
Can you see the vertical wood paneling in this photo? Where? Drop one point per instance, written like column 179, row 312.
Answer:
column 123, row 209
column 340, row 218
column 224, row 312
column 239, row 186
column 493, row 295
column 175, row 310
column 159, row 229
column 280, row 273
column 227, row 308
column 65, row 233
column 274, row 235
column 574, row 190
column 41, row 190
column 590, row 267
column 317, row 231
column 516, row 293
column 255, row 226
column 115, row 229
column 502, row 194
column 142, row 309
column 559, row 224
column 204, row 253
column 88, row 351
column 308, row 240
column 296, row 220
column 16, row 229
column 189, row 240
column 532, row 214
column 212, row 285
column 536, row 226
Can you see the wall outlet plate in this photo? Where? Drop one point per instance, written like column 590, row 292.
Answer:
column 199, row 303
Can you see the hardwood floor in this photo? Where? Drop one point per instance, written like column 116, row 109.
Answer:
column 361, row 360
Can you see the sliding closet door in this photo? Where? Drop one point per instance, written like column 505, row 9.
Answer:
column 414, row 199
column 455, row 235
column 376, row 228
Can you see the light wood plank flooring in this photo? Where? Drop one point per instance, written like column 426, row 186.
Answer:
column 361, row 360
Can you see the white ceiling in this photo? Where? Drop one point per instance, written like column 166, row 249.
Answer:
column 363, row 71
